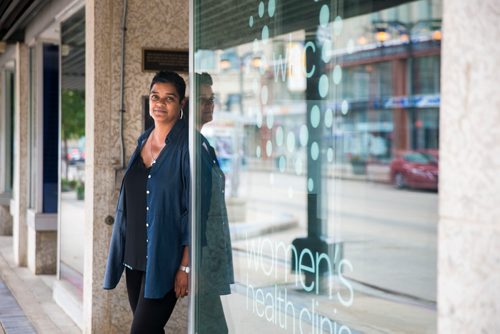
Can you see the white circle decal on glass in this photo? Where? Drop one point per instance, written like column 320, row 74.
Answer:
column 265, row 34
column 257, row 152
column 310, row 185
column 261, row 9
column 250, row 21
column 298, row 166
column 270, row 119
column 323, row 86
column 269, row 148
column 329, row 154
column 345, row 107
column 328, row 118
column 314, row 151
column 337, row 25
column 282, row 164
column 337, row 74
column 315, row 116
column 271, row 7
column 290, row 142
column 264, row 95
column 263, row 64
column 279, row 136
column 304, row 135
column 324, row 16
column 326, row 51
column 258, row 121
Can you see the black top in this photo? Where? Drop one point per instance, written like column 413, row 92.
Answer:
column 135, row 206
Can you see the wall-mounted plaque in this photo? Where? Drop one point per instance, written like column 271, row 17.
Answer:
column 168, row 60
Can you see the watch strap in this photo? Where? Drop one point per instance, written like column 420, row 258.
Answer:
column 185, row 269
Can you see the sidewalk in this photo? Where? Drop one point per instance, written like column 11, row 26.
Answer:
column 26, row 303
column 12, row 318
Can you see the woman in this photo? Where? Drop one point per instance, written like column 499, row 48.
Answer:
column 151, row 231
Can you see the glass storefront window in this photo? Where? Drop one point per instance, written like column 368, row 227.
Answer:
column 32, row 147
column 425, row 75
column 316, row 210
column 9, row 129
column 72, row 148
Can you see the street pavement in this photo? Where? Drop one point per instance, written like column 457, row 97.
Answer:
column 72, row 213
column 389, row 235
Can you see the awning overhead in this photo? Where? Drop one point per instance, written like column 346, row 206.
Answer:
column 15, row 15
column 225, row 23
column 73, row 51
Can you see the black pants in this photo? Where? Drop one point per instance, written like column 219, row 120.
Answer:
column 150, row 315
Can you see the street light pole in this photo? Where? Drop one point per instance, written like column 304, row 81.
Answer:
column 316, row 241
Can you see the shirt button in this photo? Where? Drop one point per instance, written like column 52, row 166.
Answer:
column 149, row 176
column 147, row 225
column 147, row 191
column 147, row 240
column 147, row 208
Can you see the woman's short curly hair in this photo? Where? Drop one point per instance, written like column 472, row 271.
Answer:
column 171, row 78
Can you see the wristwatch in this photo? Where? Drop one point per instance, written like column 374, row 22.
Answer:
column 184, row 269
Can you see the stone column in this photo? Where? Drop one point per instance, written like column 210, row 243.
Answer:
column 400, row 115
column 5, row 220
column 469, row 195
column 19, row 202
column 42, row 242
column 98, row 308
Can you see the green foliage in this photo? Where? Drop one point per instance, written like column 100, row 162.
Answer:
column 80, row 190
column 73, row 114
column 358, row 164
column 357, row 159
column 73, row 185
column 68, row 185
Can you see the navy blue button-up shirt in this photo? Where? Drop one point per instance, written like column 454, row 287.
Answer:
column 168, row 197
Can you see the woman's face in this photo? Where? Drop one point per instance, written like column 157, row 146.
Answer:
column 206, row 104
column 164, row 103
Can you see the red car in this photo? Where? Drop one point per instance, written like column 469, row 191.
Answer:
column 415, row 169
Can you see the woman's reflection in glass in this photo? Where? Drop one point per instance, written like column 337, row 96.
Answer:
column 216, row 268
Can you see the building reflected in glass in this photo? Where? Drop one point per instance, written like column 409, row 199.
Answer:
column 326, row 126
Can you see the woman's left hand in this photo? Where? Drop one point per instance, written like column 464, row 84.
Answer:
column 181, row 284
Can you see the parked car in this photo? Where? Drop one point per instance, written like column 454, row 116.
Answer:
column 415, row 169
column 74, row 156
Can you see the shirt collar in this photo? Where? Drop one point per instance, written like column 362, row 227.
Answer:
column 174, row 133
